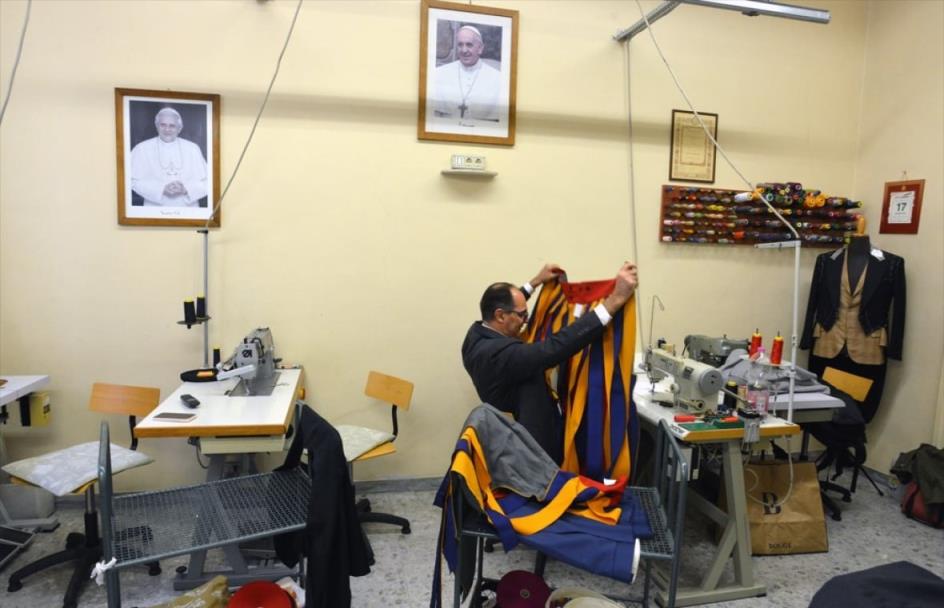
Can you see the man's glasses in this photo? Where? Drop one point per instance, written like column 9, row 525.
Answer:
column 521, row 314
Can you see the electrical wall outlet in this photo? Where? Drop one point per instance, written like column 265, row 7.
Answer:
column 468, row 162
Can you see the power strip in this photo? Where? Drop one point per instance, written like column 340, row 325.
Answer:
column 469, row 162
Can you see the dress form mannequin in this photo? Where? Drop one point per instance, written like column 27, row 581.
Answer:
column 854, row 329
column 858, row 254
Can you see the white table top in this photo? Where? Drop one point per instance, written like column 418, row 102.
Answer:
column 220, row 415
column 771, row 426
column 805, row 401
column 17, row 386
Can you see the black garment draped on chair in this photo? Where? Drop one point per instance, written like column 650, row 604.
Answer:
column 333, row 539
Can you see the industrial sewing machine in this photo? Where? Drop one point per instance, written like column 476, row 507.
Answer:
column 695, row 385
column 713, row 351
column 254, row 362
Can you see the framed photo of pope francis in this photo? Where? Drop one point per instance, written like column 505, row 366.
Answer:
column 168, row 158
column 468, row 73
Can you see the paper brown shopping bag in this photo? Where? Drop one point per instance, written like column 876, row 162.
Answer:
column 795, row 526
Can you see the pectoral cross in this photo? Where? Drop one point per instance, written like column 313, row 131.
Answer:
column 462, row 109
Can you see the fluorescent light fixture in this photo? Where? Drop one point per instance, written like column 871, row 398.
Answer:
column 751, row 8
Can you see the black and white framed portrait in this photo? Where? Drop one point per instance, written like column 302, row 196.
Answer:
column 468, row 73
column 168, row 157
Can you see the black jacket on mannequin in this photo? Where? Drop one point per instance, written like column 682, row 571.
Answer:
column 884, row 285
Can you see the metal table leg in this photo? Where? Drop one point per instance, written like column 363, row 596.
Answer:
column 735, row 541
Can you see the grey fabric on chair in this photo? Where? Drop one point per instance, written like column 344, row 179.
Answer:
column 663, row 503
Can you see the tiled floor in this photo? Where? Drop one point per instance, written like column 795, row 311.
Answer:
column 872, row 532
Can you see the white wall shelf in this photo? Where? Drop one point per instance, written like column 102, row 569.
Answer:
column 470, row 173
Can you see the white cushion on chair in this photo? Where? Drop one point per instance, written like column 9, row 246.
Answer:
column 360, row 439
column 64, row 471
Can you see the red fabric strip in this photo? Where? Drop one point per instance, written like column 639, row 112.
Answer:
column 587, row 291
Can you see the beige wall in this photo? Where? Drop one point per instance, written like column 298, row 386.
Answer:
column 340, row 233
column 902, row 131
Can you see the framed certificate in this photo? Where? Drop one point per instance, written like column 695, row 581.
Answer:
column 901, row 207
column 692, row 155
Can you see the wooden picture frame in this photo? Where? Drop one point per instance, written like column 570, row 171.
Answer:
column 168, row 151
column 468, row 73
column 901, row 207
column 691, row 153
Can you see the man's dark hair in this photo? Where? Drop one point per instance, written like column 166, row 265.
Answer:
column 498, row 295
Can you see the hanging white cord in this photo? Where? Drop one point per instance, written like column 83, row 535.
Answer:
column 632, row 193
column 16, row 62
column 750, row 184
column 265, row 100
column 786, row 496
column 796, row 253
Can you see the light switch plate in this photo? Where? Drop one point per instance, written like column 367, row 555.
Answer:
column 468, row 162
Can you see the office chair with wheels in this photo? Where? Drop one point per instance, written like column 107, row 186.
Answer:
column 844, row 438
column 79, row 465
column 364, row 443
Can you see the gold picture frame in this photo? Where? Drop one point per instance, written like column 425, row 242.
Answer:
column 168, row 152
column 468, row 73
column 691, row 154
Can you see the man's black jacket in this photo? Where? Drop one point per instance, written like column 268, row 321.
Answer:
column 509, row 374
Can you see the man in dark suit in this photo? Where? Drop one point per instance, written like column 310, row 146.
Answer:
column 509, row 373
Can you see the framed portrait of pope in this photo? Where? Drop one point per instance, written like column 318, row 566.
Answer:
column 168, row 158
column 468, row 73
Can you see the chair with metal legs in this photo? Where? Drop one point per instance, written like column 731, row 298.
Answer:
column 398, row 393
column 663, row 502
column 85, row 549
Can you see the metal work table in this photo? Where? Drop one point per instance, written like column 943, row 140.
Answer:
column 228, row 425
column 225, row 425
column 735, row 541
column 13, row 540
column 16, row 388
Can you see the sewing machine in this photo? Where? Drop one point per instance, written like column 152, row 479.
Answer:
column 254, row 361
column 713, row 351
column 695, row 385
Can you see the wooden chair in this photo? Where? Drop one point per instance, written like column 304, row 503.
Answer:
column 398, row 393
column 86, row 549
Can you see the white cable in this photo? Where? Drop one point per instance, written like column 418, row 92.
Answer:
column 786, row 497
column 632, row 197
column 750, row 185
column 265, row 100
column 16, row 62
column 98, row 572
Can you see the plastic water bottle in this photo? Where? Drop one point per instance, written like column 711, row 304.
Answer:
column 758, row 388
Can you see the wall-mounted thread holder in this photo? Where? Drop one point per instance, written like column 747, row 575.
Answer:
column 713, row 216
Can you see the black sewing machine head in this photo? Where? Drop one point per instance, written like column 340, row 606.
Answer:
column 713, row 351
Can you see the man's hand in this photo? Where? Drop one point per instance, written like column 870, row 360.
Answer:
column 175, row 188
column 626, row 281
column 549, row 272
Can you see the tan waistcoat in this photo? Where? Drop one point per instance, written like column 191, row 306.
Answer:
column 847, row 331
